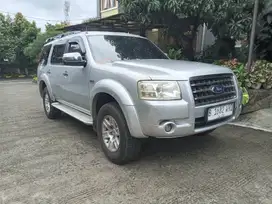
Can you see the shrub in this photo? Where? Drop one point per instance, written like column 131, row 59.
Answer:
column 260, row 75
column 238, row 68
column 175, row 53
column 6, row 76
column 35, row 79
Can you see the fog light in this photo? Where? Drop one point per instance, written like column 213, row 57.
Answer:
column 168, row 127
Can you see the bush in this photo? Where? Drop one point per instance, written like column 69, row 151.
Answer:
column 35, row 79
column 13, row 76
column 260, row 75
column 175, row 53
column 238, row 68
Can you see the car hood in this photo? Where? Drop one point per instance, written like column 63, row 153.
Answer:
column 164, row 69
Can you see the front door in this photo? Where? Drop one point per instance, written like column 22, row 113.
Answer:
column 76, row 87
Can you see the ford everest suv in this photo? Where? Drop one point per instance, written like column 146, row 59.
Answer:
column 128, row 89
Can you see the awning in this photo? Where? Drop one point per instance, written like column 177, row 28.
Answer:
column 112, row 23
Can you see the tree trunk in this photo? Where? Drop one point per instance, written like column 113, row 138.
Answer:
column 142, row 31
column 191, row 43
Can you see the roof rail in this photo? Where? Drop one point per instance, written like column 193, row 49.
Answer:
column 61, row 36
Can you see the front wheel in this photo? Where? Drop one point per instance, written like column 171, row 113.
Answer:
column 117, row 143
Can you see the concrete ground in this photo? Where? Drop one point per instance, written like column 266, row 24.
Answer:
column 57, row 162
column 259, row 120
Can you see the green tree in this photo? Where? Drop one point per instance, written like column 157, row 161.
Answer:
column 53, row 27
column 173, row 14
column 264, row 34
column 15, row 35
column 24, row 33
column 32, row 51
column 7, row 42
column 228, row 19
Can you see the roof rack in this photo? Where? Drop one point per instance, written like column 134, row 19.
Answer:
column 61, row 36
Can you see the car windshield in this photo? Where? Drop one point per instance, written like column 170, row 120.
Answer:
column 109, row 48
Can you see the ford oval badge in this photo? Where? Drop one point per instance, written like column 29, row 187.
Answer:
column 217, row 89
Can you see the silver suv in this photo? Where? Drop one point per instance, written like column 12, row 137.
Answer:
column 128, row 90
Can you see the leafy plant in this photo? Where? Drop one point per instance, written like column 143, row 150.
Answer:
column 35, row 79
column 8, row 76
column 238, row 68
column 260, row 75
column 175, row 54
column 245, row 98
column 264, row 34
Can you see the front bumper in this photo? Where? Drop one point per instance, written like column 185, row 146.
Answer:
column 185, row 118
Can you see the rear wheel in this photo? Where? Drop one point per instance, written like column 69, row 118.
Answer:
column 117, row 143
column 50, row 111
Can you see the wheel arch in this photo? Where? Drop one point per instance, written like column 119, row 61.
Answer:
column 109, row 91
column 44, row 82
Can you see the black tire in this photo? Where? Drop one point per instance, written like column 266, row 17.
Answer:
column 53, row 113
column 129, row 147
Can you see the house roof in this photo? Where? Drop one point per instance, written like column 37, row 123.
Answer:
column 112, row 23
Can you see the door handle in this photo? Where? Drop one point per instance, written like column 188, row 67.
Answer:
column 48, row 72
column 65, row 74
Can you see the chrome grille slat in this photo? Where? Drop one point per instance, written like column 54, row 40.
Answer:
column 202, row 92
column 207, row 90
column 214, row 96
column 209, row 82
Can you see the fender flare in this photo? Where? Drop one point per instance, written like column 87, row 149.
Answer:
column 44, row 79
column 113, row 88
column 123, row 98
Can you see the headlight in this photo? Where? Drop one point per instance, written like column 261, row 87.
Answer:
column 159, row 90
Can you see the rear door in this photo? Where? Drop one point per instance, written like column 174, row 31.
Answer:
column 43, row 61
column 57, row 77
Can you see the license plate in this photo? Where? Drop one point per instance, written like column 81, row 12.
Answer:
column 218, row 112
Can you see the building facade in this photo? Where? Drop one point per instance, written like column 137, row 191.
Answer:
column 108, row 8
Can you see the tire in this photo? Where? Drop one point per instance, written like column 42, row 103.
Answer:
column 50, row 111
column 129, row 148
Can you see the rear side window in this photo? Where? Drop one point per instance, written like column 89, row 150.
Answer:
column 43, row 60
column 58, row 51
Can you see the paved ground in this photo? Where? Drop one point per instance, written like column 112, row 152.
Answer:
column 57, row 162
column 259, row 120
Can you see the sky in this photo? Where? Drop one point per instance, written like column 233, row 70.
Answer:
column 50, row 11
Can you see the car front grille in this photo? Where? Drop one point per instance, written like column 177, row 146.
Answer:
column 202, row 88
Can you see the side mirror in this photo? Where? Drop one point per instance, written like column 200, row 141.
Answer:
column 73, row 59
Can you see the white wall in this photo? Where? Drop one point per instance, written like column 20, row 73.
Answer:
column 209, row 39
